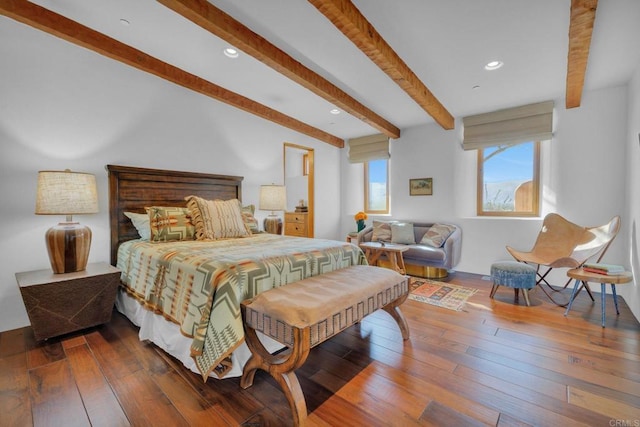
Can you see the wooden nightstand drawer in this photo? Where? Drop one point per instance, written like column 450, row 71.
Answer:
column 295, row 217
column 296, row 224
column 61, row 303
column 295, row 229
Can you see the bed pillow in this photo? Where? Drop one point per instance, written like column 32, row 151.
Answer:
column 141, row 223
column 381, row 231
column 437, row 234
column 249, row 219
column 170, row 224
column 402, row 232
column 217, row 219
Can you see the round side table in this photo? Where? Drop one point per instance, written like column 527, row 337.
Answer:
column 585, row 277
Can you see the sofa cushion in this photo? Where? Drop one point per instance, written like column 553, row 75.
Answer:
column 402, row 232
column 437, row 234
column 424, row 253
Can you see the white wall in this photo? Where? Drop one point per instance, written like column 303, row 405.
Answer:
column 631, row 293
column 62, row 106
column 583, row 170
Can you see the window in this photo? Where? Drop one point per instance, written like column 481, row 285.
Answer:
column 509, row 180
column 376, row 186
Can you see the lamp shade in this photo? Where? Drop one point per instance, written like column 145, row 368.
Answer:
column 66, row 193
column 273, row 198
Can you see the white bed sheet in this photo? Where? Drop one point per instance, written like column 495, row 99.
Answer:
column 167, row 336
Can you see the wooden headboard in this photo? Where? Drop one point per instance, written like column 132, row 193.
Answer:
column 132, row 189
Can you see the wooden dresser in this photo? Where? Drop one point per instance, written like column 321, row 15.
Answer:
column 296, row 224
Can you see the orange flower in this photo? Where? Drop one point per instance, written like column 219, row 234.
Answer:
column 360, row 216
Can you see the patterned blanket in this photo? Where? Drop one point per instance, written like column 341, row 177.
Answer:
column 199, row 284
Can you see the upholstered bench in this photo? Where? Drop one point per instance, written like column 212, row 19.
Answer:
column 513, row 274
column 303, row 314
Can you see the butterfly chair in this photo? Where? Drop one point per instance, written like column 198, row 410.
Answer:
column 563, row 244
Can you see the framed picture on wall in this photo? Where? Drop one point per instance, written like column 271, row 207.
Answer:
column 421, row 187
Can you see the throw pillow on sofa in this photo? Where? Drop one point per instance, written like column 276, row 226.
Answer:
column 381, row 231
column 437, row 234
column 402, row 232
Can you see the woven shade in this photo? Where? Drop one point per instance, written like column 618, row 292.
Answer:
column 366, row 148
column 66, row 193
column 533, row 122
column 273, row 198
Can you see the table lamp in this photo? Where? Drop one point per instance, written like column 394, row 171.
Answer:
column 273, row 198
column 67, row 193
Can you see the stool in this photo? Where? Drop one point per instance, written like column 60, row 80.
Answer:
column 585, row 277
column 516, row 275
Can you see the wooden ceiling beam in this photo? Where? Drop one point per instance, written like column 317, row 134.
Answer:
column 583, row 16
column 348, row 19
column 43, row 19
column 222, row 25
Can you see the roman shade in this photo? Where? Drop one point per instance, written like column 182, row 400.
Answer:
column 533, row 122
column 372, row 147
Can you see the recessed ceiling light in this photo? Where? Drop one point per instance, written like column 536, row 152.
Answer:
column 231, row 52
column 335, row 111
column 124, row 22
column 493, row 65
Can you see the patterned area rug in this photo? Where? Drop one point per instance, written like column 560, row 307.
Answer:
column 440, row 294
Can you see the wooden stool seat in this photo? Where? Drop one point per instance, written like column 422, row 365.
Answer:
column 303, row 314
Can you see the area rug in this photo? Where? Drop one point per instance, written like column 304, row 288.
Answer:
column 440, row 294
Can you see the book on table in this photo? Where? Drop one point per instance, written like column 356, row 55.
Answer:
column 601, row 268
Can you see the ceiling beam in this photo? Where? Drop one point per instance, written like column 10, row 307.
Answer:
column 583, row 15
column 71, row 31
column 217, row 22
column 348, row 19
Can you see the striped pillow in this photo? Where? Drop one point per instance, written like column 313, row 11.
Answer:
column 217, row 219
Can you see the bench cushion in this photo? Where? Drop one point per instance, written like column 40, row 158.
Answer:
column 327, row 303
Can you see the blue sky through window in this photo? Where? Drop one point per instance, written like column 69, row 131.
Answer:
column 513, row 164
column 378, row 171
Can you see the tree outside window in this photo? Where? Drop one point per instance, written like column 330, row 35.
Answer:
column 508, row 180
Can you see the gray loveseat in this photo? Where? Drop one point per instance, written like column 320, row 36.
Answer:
column 425, row 260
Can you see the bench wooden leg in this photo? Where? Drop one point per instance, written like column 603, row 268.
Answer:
column 394, row 310
column 281, row 367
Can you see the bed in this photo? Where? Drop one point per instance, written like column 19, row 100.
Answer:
column 185, row 295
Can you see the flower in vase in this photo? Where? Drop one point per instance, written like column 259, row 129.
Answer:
column 360, row 217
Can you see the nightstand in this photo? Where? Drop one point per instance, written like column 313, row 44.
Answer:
column 61, row 303
column 296, row 224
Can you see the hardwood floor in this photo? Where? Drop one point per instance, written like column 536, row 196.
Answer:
column 495, row 363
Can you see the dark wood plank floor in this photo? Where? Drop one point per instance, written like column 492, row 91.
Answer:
column 495, row 363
